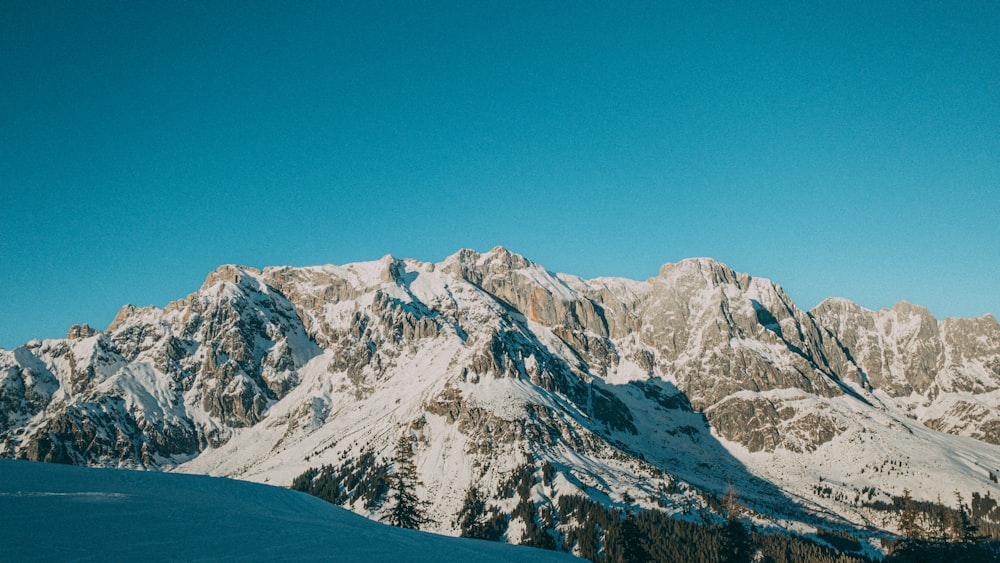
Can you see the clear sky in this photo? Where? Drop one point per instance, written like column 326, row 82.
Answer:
column 839, row 148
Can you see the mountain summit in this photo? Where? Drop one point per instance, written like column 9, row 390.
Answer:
column 503, row 382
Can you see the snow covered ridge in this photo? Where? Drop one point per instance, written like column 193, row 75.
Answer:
column 58, row 513
column 640, row 394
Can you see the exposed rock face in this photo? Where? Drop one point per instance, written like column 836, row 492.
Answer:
column 158, row 385
column 627, row 387
column 77, row 332
column 945, row 372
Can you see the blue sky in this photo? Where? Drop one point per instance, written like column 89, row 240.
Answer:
column 838, row 148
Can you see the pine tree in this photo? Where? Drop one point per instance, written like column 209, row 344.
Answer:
column 469, row 516
column 731, row 502
column 737, row 544
column 908, row 517
column 965, row 529
column 634, row 541
column 407, row 510
column 938, row 521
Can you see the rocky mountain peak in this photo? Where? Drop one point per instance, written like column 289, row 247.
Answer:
column 126, row 313
column 907, row 308
column 504, row 257
column 837, row 305
column 231, row 273
column 473, row 266
column 700, row 271
column 77, row 332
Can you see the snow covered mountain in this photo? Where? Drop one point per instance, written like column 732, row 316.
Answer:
column 642, row 394
column 61, row 513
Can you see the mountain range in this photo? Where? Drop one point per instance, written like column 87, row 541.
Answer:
column 506, row 383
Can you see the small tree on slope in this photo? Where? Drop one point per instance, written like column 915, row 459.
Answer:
column 908, row 525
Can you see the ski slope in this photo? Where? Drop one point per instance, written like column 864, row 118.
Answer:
column 64, row 513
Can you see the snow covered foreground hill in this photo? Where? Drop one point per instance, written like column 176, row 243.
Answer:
column 519, row 387
column 61, row 513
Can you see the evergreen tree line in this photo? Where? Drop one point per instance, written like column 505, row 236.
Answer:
column 475, row 521
column 602, row 534
column 611, row 535
column 364, row 478
column 377, row 485
column 937, row 522
column 986, row 510
column 922, row 551
column 933, row 531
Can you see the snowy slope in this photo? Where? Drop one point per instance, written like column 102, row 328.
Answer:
column 59, row 513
